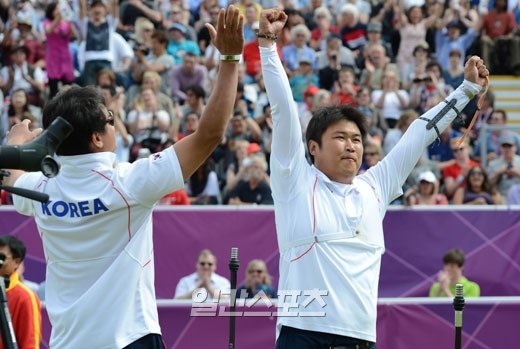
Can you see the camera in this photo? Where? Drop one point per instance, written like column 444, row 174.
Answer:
column 419, row 80
column 137, row 46
column 333, row 57
column 509, row 166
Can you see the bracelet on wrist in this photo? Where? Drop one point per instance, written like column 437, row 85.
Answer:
column 230, row 58
column 267, row 36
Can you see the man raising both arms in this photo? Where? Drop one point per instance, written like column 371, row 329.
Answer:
column 328, row 220
column 97, row 227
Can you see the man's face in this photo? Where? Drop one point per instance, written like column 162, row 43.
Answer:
column 206, row 265
column 189, row 63
column 98, row 12
column 341, row 151
column 10, row 264
column 454, row 271
column 238, row 125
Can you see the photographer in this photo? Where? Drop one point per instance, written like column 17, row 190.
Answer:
column 156, row 60
column 428, row 85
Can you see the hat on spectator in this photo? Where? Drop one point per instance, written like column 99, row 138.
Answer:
column 423, row 45
column 333, row 36
column 94, row 3
column 255, row 25
column 374, row 27
column 25, row 16
column 253, row 148
column 19, row 48
column 453, row 24
column 311, row 91
column 507, row 139
column 178, row 26
column 427, row 176
column 304, row 60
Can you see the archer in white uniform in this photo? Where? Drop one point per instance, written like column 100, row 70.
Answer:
column 328, row 220
column 97, row 227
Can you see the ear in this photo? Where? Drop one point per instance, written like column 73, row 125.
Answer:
column 96, row 141
column 313, row 147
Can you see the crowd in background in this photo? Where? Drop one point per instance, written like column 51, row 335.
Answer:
column 155, row 65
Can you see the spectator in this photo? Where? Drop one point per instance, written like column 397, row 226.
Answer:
column 204, row 279
column 492, row 138
column 372, row 154
column 195, row 102
column 454, row 73
column 331, row 60
column 28, row 36
column 203, row 37
column 513, row 196
column 353, row 31
column 452, row 274
column 203, row 187
column 478, row 190
column 498, row 42
column 394, row 135
column 463, row 12
column 376, row 64
column 390, row 100
column 426, row 192
column 412, row 26
column 147, row 123
column 302, row 78
column 24, row 305
column 97, row 29
column 179, row 14
column 454, row 175
column 257, row 280
column 377, row 126
column 157, row 60
column 429, row 85
column 59, row 33
column 449, row 38
column 298, row 49
column 251, row 21
column 417, row 68
column 22, row 75
column 374, row 38
column 179, row 46
column 18, row 110
column 324, row 27
column 189, row 73
column 135, row 9
column 504, row 171
column 255, row 189
column 345, row 88
column 319, row 98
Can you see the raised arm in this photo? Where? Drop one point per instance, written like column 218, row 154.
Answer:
column 228, row 38
column 287, row 137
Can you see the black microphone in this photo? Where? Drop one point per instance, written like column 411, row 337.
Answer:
column 458, row 306
column 37, row 154
column 234, row 264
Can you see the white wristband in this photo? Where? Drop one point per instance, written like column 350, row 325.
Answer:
column 233, row 58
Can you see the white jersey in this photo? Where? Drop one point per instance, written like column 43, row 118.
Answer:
column 96, row 231
column 330, row 235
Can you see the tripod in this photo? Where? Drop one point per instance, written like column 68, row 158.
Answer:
column 6, row 325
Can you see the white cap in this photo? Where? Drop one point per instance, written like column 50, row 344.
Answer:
column 427, row 176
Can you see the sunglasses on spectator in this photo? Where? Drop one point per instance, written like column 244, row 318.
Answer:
column 476, row 173
column 258, row 271
column 456, row 150
column 203, row 264
column 371, row 154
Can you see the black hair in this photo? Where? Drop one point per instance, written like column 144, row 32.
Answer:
column 49, row 11
column 16, row 246
column 10, row 109
column 197, row 90
column 110, row 88
column 83, row 108
column 324, row 117
column 454, row 256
